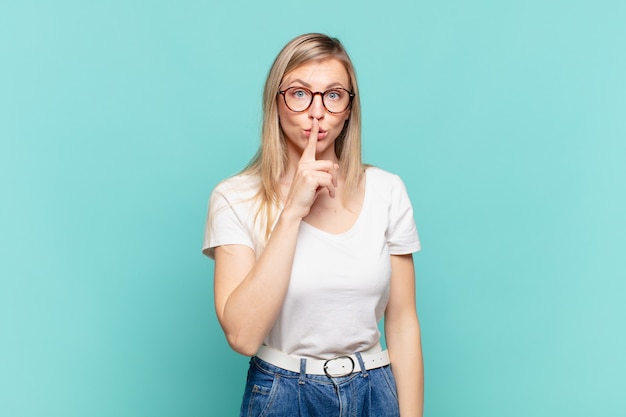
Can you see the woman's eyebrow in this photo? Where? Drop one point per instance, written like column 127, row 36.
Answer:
column 298, row 80
column 305, row 84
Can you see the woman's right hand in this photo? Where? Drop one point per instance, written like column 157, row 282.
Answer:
column 312, row 177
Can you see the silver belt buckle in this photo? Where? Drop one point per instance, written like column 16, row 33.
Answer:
column 342, row 368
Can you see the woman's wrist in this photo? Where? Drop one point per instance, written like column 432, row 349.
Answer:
column 290, row 215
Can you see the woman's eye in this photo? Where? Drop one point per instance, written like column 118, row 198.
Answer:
column 300, row 94
column 333, row 95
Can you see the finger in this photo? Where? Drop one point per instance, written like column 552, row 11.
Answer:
column 334, row 172
column 331, row 190
column 318, row 165
column 325, row 182
column 321, row 165
column 309, row 151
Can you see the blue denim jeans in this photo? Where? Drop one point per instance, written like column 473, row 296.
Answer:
column 274, row 392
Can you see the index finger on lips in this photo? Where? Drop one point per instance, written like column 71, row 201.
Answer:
column 308, row 154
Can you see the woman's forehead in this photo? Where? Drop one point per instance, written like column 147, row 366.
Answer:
column 321, row 72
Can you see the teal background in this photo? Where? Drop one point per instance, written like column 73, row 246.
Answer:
column 506, row 119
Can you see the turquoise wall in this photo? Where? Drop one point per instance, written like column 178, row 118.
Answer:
column 506, row 120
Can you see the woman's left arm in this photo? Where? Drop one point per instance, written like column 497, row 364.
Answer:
column 402, row 333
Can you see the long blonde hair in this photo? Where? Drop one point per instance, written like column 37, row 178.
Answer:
column 270, row 161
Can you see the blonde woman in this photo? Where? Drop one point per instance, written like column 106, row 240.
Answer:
column 312, row 248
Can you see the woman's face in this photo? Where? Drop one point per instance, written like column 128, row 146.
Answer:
column 316, row 76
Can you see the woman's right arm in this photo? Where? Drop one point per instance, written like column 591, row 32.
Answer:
column 249, row 292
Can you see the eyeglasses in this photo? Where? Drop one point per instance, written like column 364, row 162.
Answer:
column 299, row 99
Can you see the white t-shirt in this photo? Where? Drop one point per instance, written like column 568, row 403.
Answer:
column 339, row 284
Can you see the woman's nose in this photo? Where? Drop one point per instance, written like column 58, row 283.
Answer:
column 316, row 109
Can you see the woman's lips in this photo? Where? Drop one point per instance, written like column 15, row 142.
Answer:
column 321, row 134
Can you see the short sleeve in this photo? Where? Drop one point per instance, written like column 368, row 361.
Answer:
column 402, row 237
column 227, row 223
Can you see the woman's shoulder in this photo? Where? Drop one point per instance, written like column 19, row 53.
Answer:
column 238, row 192
column 242, row 185
column 381, row 177
column 387, row 187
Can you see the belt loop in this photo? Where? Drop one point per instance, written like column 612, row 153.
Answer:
column 302, row 371
column 361, row 364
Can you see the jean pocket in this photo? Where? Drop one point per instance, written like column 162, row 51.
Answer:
column 259, row 401
column 260, row 392
column 391, row 381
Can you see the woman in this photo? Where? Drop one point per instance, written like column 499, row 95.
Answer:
column 311, row 248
